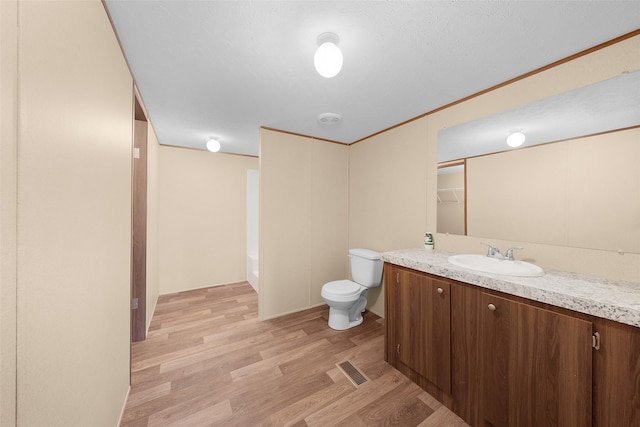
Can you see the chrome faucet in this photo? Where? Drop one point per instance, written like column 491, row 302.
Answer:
column 510, row 252
column 494, row 252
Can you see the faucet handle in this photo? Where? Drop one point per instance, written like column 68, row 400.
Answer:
column 509, row 255
column 492, row 251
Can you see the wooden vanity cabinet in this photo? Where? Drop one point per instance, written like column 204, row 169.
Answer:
column 512, row 361
column 536, row 365
column 418, row 327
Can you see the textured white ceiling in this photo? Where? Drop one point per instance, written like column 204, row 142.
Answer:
column 225, row 68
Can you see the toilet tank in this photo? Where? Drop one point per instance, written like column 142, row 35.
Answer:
column 366, row 267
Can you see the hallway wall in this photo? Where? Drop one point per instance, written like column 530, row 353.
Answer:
column 75, row 100
column 153, row 265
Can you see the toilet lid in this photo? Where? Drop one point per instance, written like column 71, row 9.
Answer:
column 342, row 287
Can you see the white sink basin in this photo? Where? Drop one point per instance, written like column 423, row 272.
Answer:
column 496, row 266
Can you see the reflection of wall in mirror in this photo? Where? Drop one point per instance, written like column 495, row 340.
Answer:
column 451, row 203
column 580, row 193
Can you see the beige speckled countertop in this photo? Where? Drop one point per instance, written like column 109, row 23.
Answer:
column 610, row 299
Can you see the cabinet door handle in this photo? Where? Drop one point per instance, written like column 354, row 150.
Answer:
column 440, row 290
column 398, row 349
column 596, row 341
column 492, row 307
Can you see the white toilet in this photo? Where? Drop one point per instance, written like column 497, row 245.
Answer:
column 347, row 299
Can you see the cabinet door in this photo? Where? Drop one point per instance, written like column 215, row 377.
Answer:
column 465, row 358
column 536, row 364
column 424, row 327
column 498, row 352
column 616, row 400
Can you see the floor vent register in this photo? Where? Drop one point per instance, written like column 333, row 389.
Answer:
column 356, row 377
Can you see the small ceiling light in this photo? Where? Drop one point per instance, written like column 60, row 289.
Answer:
column 516, row 139
column 328, row 57
column 213, row 145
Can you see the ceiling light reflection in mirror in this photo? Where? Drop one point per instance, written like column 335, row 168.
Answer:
column 600, row 107
column 556, row 194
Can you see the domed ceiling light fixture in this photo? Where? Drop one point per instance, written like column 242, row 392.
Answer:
column 328, row 57
column 213, row 145
column 515, row 139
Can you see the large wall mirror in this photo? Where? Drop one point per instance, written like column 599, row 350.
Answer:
column 575, row 181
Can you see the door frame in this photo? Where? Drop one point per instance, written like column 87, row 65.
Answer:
column 139, row 225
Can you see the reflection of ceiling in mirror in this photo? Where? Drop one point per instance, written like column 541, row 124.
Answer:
column 451, row 169
column 600, row 107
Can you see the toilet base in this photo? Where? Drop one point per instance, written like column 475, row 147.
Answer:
column 339, row 319
column 345, row 318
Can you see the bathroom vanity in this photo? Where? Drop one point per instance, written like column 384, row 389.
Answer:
column 560, row 349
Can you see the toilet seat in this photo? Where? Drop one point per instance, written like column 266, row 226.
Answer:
column 342, row 290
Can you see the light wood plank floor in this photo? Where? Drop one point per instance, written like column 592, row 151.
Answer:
column 209, row 361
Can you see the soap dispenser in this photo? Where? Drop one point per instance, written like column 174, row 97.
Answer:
column 428, row 242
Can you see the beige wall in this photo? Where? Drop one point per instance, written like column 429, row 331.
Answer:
column 388, row 193
column 303, row 220
column 201, row 218
column 74, row 216
column 153, row 266
column 8, row 206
